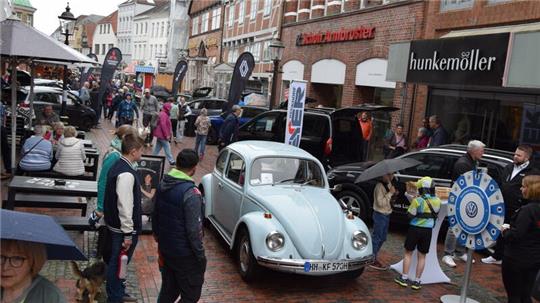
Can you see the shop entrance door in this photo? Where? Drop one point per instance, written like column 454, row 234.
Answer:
column 489, row 126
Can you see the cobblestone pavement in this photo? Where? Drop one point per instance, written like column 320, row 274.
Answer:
column 223, row 283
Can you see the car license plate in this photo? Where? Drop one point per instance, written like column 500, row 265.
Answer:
column 326, row 266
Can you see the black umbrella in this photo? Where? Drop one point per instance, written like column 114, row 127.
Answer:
column 43, row 229
column 386, row 167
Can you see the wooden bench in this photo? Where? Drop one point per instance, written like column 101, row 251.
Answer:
column 74, row 223
column 91, row 166
column 46, row 201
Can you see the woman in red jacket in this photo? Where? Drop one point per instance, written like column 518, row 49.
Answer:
column 162, row 132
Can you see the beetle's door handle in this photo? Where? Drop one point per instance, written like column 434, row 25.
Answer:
column 220, row 185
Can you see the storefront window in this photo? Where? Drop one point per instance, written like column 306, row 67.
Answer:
column 381, row 122
column 500, row 120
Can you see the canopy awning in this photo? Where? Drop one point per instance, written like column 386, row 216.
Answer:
column 529, row 27
column 145, row 69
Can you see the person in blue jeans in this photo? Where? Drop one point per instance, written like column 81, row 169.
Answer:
column 122, row 210
column 127, row 110
column 382, row 209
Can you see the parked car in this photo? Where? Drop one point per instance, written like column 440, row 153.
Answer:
column 331, row 135
column 213, row 105
column 79, row 115
column 437, row 163
column 248, row 112
column 277, row 192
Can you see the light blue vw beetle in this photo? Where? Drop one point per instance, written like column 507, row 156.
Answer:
column 272, row 205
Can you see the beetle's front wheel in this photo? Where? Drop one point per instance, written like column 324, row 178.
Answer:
column 247, row 265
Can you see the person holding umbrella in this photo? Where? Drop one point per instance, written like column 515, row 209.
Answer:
column 27, row 241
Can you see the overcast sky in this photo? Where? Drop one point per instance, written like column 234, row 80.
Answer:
column 46, row 15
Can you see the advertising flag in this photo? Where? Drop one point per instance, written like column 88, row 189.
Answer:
column 112, row 59
column 242, row 71
column 295, row 113
column 179, row 73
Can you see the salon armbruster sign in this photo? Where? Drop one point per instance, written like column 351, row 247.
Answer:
column 359, row 33
column 471, row 60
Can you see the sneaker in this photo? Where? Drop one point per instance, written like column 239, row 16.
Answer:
column 464, row 258
column 402, row 282
column 491, row 260
column 378, row 265
column 448, row 260
column 416, row 285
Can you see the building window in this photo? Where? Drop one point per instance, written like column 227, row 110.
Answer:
column 266, row 51
column 235, row 54
column 145, row 27
column 195, row 26
column 152, row 32
column 267, row 7
column 231, row 15
column 103, row 46
column 216, row 18
column 111, row 45
column 162, row 28
column 204, row 20
column 96, row 49
column 168, row 28
column 253, row 9
column 447, row 5
column 241, row 11
column 256, row 51
column 136, row 29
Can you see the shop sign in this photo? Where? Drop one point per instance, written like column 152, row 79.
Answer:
column 472, row 60
column 359, row 33
column 530, row 125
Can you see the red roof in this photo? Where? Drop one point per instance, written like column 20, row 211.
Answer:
column 197, row 6
column 90, row 28
column 112, row 18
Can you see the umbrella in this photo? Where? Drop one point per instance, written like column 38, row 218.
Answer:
column 29, row 227
column 386, row 166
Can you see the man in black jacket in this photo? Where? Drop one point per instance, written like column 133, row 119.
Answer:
column 177, row 226
column 510, row 184
column 229, row 129
column 467, row 162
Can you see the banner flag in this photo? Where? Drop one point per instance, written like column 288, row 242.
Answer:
column 112, row 59
column 242, row 71
column 295, row 112
column 179, row 73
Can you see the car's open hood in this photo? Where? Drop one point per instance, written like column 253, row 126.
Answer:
column 311, row 217
column 352, row 111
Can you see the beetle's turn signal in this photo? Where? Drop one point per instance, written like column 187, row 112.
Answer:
column 267, row 215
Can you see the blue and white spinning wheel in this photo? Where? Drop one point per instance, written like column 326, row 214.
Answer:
column 476, row 210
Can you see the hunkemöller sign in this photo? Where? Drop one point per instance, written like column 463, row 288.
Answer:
column 469, row 60
column 359, row 33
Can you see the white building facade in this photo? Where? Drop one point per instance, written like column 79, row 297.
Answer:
column 151, row 36
column 126, row 13
column 105, row 36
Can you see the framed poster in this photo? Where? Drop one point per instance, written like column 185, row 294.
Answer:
column 150, row 170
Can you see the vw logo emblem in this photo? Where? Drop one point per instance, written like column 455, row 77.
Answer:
column 471, row 209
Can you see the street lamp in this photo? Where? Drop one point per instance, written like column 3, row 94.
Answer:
column 275, row 50
column 65, row 19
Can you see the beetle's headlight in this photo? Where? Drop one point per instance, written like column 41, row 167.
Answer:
column 359, row 240
column 275, row 241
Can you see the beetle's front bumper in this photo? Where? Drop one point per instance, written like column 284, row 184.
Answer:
column 314, row 267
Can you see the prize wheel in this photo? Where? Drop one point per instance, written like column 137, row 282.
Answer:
column 476, row 210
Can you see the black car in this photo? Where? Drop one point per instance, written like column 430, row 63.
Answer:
column 214, row 107
column 79, row 115
column 437, row 163
column 331, row 135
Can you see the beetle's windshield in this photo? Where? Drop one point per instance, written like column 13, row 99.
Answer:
column 281, row 170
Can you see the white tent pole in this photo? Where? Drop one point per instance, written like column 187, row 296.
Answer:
column 13, row 112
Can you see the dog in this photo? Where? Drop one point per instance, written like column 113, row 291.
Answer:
column 89, row 280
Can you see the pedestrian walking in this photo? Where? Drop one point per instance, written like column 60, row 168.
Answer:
column 162, row 132
column 510, row 184
column 439, row 135
column 122, row 209
column 452, row 249
column 173, row 114
column 177, row 225
column 202, row 125
column 382, row 209
column 229, row 130
column 95, row 103
column 183, row 112
column 149, row 106
column 521, row 261
column 423, row 210
column 127, row 110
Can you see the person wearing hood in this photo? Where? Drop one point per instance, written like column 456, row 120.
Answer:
column 177, row 226
column 70, row 154
column 162, row 132
column 112, row 155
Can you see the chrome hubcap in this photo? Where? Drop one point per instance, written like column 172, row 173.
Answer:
column 244, row 255
column 352, row 204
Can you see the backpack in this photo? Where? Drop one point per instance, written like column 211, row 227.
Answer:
column 181, row 113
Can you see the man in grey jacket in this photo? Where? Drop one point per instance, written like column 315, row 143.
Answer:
column 149, row 107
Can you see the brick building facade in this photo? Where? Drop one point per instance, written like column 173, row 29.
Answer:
column 493, row 114
column 341, row 48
